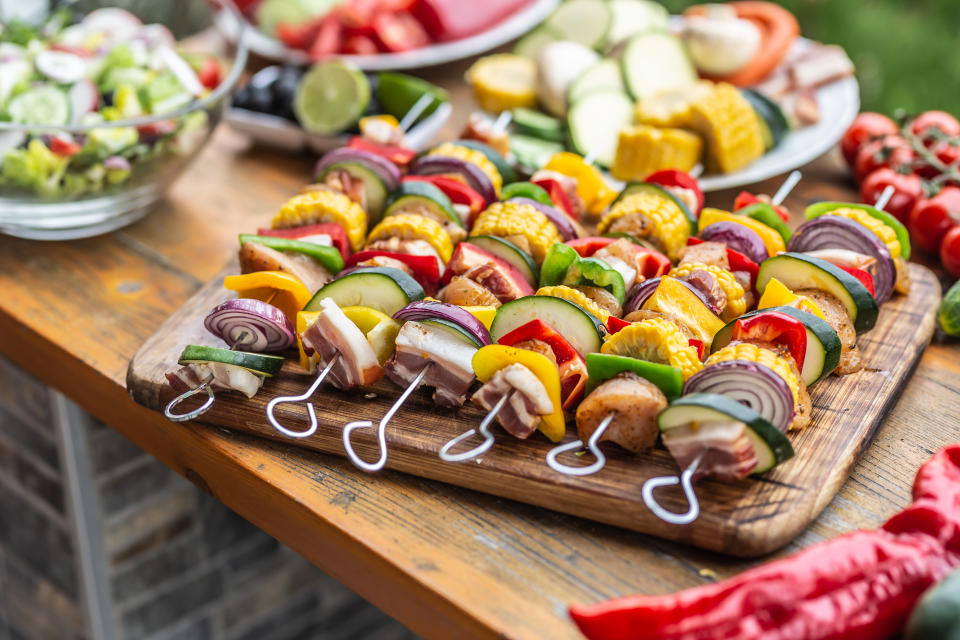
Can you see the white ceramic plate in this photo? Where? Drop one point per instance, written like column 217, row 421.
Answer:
column 281, row 133
column 513, row 27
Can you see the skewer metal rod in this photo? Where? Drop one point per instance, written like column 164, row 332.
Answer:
column 592, row 445
column 686, row 482
column 309, row 431
column 199, row 411
column 792, row 181
column 484, row 430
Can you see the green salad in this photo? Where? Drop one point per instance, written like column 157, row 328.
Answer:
column 105, row 67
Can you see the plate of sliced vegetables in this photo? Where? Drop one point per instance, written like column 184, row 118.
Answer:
column 735, row 92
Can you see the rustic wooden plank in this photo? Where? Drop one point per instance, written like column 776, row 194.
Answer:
column 748, row 518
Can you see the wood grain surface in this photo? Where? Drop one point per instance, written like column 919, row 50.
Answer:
column 447, row 562
column 748, row 518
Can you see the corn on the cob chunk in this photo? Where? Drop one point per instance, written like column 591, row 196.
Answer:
column 887, row 235
column 504, row 81
column 453, row 150
column 578, row 298
column 656, row 340
column 504, row 219
column 670, row 226
column 729, row 127
column 733, row 290
column 776, row 363
column 324, row 205
column 643, row 149
column 410, row 226
column 672, row 108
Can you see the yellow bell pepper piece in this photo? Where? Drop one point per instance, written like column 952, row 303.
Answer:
column 484, row 314
column 592, row 187
column 504, row 81
column 772, row 240
column 778, row 294
column 490, row 359
column 278, row 288
column 380, row 329
column 674, row 299
column 304, row 320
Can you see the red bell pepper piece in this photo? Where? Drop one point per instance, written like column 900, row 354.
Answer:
column 680, row 179
column 615, row 324
column 456, row 190
column 558, row 195
column 360, row 45
column 776, row 327
column 298, row 36
column 698, row 345
column 337, row 235
column 864, row 277
column 400, row 156
column 737, row 262
column 328, row 39
column 399, row 31
column 447, row 20
column 425, row 269
column 588, row 246
column 571, row 365
column 861, row 586
column 745, row 199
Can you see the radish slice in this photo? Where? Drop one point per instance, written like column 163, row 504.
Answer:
column 179, row 68
column 118, row 24
column 61, row 66
column 156, row 36
column 84, row 98
column 251, row 325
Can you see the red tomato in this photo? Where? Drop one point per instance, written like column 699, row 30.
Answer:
column 209, row 75
column 932, row 218
column 865, row 127
column 400, row 31
column 950, row 252
column 888, row 151
column 329, row 38
column 360, row 45
column 907, row 189
column 64, row 145
column 926, row 124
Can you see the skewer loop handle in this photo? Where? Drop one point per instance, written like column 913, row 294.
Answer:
column 199, row 411
column 592, row 445
column 686, row 481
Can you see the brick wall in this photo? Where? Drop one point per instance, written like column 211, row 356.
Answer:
column 179, row 565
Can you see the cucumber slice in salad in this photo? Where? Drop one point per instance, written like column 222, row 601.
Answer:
column 583, row 21
column 512, row 254
column 605, row 74
column 800, row 271
column 823, row 344
column 258, row 363
column 769, row 444
column 654, row 62
column 44, row 105
column 581, row 329
column 382, row 288
column 595, row 123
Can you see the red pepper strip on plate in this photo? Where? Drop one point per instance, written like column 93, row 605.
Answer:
column 456, row 190
column 776, row 327
column 400, row 156
column 652, row 264
column 745, row 199
column 678, row 179
column 737, row 262
column 425, row 269
column 571, row 365
column 861, row 586
column 338, row 237
column 863, row 276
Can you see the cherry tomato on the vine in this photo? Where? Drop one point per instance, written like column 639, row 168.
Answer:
column 864, row 128
column 907, row 189
column 950, row 252
column 889, row 151
column 925, row 124
column 932, row 218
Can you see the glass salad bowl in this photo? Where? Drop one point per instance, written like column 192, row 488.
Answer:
column 100, row 111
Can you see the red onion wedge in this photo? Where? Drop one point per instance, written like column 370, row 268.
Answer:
column 737, row 237
column 433, row 310
column 385, row 170
column 477, row 179
column 750, row 384
column 251, row 325
column 837, row 232
column 560, row 220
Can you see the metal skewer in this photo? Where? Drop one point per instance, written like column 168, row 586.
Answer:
column 686, row 482
column 792, row 181
column 415, row 111
column 884, row 198
column 592, row 446
column 381, row 429
column 199, row 411
column 306, row 395
column 484, row 430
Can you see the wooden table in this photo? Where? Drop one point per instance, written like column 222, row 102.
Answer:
column 444, row 561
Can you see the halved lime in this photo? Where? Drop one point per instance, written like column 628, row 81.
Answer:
column 331, row 97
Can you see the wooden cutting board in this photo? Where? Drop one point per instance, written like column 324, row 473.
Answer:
column 748, row 518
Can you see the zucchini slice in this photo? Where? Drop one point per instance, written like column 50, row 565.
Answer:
column 595, row 122
column 373, row 187
column 453, row 329
column 770, row 113
column 529, row 46
column 532, row 153
column 261, row 364
column 426, row 195
column 770, row 445
column 382, row 288
column 654, row 62
column 823, row 343
column 581, row 329
column 605, row 74
column 800, row 271
column 903, row 236
column 583, row 21
column 539, row 125
column 512, row 254
column 631, row 17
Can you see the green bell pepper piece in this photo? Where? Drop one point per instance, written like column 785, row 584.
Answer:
column 603, row 366
column 556, row 263
column 329, row 257
column 596, row 272
column 526, row 190
column 763, row 212
column 563, row 265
